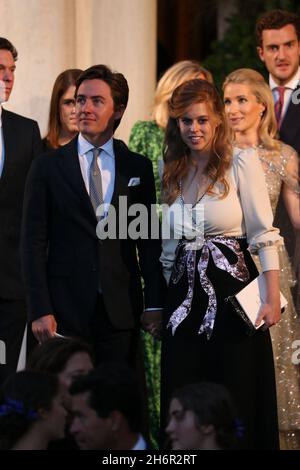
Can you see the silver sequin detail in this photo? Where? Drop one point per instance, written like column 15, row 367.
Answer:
column 187, row 260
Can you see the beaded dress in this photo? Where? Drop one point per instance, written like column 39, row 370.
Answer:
column 278, row 170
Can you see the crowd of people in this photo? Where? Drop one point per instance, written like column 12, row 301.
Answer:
column 226, row 169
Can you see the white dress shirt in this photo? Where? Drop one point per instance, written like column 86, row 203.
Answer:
column 290, row 87
column 246, row 211
column 1, row 144
column 140, row 444
column 106, row 163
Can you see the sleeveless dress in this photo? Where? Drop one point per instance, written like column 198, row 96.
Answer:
column 203, row 337
column 286, row 333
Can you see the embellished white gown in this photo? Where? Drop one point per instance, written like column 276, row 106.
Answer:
column 285, row 334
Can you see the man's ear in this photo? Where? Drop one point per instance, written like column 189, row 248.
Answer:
column 260, row 53
column 116, row 419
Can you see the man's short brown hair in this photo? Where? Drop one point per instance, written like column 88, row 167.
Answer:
column 6, row 45
column 276, row 19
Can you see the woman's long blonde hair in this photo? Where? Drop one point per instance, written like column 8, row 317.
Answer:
column 267, row 130
column 177, row 74
column 177, row 154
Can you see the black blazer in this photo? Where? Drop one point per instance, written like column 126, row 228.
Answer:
column 22, row 142
column 290, row 127
column 289, row 134
column 62, row 257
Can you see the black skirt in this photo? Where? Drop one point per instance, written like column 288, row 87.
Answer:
column 229, row 356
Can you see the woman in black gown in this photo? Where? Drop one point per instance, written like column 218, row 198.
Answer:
column 220, row 212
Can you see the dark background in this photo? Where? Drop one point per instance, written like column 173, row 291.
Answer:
column 197, row 29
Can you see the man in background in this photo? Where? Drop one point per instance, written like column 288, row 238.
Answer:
column 278, row 46
column 20, row 142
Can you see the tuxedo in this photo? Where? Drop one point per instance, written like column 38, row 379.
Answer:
column 63, row 259
column 22, row 143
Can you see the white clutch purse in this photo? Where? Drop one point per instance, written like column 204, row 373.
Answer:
column 248, row 301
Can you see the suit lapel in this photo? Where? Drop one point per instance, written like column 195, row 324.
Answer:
column 291, row 121
column 122, row 172
column 10, row 145
column 70, row 166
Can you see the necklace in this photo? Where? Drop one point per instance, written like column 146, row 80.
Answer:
column 182, row 199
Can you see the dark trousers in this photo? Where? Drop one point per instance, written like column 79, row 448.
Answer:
column 12, row 325
column 111, row 344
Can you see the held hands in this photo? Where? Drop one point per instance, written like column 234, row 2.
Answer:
column 44, row 328
column 151, row 321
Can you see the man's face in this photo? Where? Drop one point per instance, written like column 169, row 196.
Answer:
column 280, row 52
column 95, row 111
column 91, row 432
column 7, row 74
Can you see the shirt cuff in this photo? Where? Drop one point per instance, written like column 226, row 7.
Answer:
column 269, row 259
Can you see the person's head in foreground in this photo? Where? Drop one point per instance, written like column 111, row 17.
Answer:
column 201, row 417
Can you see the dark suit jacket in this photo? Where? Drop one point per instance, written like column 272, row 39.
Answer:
column 22, row 142
column 290, row 127
column 289, row 134
column 62, row 257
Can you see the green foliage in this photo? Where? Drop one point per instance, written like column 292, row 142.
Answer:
column 238, row 47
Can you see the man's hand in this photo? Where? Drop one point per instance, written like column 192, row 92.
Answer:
column 44, row 328
column 151, row 321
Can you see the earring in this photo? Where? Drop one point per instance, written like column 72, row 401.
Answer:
column 261, row 114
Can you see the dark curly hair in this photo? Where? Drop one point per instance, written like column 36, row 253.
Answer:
column 276, row 19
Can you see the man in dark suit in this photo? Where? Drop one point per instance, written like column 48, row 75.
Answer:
column 20, row 142
column 77, row 284
column 278, row 40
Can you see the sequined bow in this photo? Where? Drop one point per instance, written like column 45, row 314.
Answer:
column 187, row 260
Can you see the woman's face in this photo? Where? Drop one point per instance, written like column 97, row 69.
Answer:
column 242, row 108
column 67, row 111
column 197, row 127
column 182, row 430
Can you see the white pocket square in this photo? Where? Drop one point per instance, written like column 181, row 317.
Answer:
column 134, row 182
